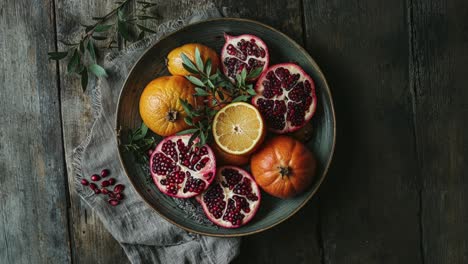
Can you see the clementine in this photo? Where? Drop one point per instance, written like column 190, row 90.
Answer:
column 174, row 59
column 160, row 106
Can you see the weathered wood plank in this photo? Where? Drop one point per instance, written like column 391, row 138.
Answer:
column 439, row 59
column 33, row 197
column 369, row 203
column 92, row 243
column 296, row 240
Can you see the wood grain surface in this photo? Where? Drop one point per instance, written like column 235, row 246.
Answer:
column 396, row 191
column 33, row 192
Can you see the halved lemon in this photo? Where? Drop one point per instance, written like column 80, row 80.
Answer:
column 238, row 128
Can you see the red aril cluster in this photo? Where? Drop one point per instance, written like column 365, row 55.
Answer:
column 180, row 169
column 233, row 198
column 244, row 51
column 285, row 97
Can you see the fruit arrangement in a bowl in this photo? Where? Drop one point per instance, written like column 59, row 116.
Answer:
column 229, row 129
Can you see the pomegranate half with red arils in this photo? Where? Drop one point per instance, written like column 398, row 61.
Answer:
column 233, row 198
column 181, row 170
column 244, row 51
column 285, row 97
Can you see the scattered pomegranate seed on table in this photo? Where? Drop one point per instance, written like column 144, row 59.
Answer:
column 105, row 173
column 115, row 196
column 95, row 177
column 119, row 188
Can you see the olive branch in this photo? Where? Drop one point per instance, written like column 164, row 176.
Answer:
column 82, row 55
column 214, row 86
column 140, row 142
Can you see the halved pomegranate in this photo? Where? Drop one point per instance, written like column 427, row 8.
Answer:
column 233, row 199
column 182, row 170
column 285, row 97
column 244, row 51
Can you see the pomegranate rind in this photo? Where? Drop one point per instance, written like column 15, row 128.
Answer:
column 209, row 168
column 254, row 205
column 309, row 113
column 228, row 39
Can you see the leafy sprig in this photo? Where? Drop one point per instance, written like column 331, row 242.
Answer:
column 214, row 87
column 82, row 55
column 139, row 142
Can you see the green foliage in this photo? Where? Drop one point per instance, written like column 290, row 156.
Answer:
column 140, row 142
column 103, row 30
column 208, row 86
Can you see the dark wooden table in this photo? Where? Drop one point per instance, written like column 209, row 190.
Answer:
column 397, row 191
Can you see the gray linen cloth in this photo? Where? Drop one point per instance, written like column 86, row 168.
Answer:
column 142, row 233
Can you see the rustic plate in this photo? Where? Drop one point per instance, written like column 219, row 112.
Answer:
column 152, row 64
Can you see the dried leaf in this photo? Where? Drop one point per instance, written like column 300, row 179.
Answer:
column 57, row 55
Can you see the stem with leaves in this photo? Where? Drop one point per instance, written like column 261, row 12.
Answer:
column 140, row 142
column 215, row 87
column 82, row 56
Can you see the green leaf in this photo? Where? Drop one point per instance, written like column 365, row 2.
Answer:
column 254, row 73
column 91, row 50
column 84, row 79
column 195, row 81
column 143, row 28
column 243, row 74
column 188, row 63
column 193, row 137
column 102, row 28
column 208, row 66
column 201, row 92
column 97, row 70
column 74, row 61
column 210, row 84
column 145, row 17
column 123, row 30
column 199, row 60
column 57, row 55
column 97, row 18
column 188, row 120
column 238, row 79
column 203, row 138
column 120, row 14
column 251, row 91
column 241, row 98
column 188, row 131
column 99, row 37
column 187, row 107
column 144, row 129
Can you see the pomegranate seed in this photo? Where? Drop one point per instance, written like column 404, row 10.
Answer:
column 104, row 191
column 97, row 191
column 111, row 194
column 93, row 186
column 150, row 151
column 84, row 182
column 95, row 177
column 113, row 202
column 119, row 196
column 105, row 183
column 111, row 181
column 105, row 173
column 119, row 188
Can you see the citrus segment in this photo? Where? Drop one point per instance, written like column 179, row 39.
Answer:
column 238, row 128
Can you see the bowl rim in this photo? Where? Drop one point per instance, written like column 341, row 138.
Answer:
column 316, row 185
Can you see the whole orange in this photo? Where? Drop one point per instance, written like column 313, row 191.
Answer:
column 224, row 158
column 174, row 59
column 284, row 167
column 160, row 106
